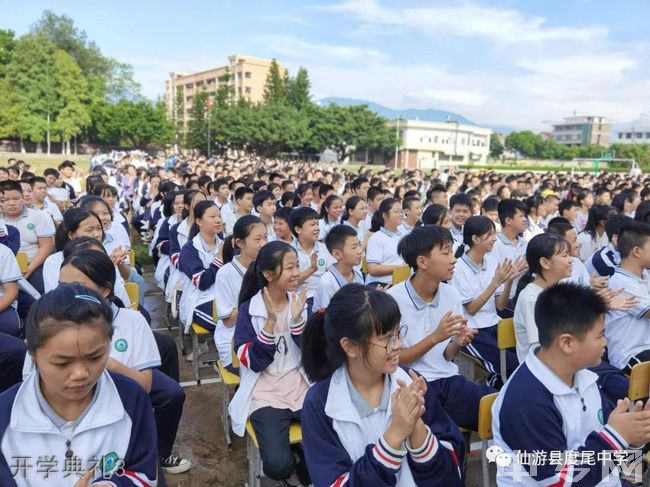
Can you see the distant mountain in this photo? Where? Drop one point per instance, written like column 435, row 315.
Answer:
column 429, row 115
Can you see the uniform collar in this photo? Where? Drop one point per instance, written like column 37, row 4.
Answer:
column 472, row 265
column 628, row 274
column 507, row 241
column 363, row 408
column 417, row 301
column 581, row 380
column 387, row 232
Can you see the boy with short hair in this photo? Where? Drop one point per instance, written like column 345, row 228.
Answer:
column 437, row 329
column 569, row 209
column 604, row 261
column 375, row 195
column 552, row 403
column 489, row 209
column 412, row 208
column 628, row 332
column 313, row 258
column 221, row 192
column 281, row 227
column 59, row 196
column 343, row 244
column 460, row 209
column 243, row 207
column 264, row 205
column 551, row 201
column 40, row 200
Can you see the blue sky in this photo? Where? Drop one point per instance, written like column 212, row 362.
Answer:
column 517, row 63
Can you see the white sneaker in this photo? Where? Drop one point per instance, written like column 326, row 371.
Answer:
column 203, row 348
column 174, row 464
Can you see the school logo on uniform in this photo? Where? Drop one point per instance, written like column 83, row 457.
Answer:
column 30, row 226
column 121, row 345
column 321, row 262
column 108, row 464
column 601, row 416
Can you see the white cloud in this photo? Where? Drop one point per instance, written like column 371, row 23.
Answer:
column 468, row 19
column 297, row 48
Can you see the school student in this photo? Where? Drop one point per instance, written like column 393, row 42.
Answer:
column 569, row 209
column 535, row 210
column 381, row 252
column 281, row 227
column 628, row 332
column 412, row 210
column 70, row 406
column 173, row 206
column 200, row 261
column 243, row 205
column 264, row 207
column 9, row 277
column 626, row 202
column 247, row 238
column 270, row 322
column 437, row 215
column 553, row 404
column 40, row 201
column 551, row 202
column 330, row 215
column 374, row 198
column 594, row 236
column 305, row 196
column 562, row 228
column 343, row 244
column 36, row 231
column 313, row 257
column 585, row 199
column 354, row 215
column 604, row 261
column 221, row 192
column 460, row 209
column 366, row 421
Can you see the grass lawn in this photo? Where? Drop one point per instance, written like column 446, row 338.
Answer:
column 40, row 162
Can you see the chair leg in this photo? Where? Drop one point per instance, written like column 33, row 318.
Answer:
column 502, row 365
column 224, row 416
column 484, row 463
column 195, row 355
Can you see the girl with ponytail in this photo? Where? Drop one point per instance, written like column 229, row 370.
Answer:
column 366, row 421
column 356, row 211
column 330, row 215
column 381, row 254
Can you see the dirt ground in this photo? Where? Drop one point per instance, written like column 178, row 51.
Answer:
column 200, row 438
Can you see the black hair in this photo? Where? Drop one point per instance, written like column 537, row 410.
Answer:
column 261, row 196
column 37, row 179
column 187, row 200
column 336, row 237
column 357, row 182
column 436, row 188
column 627, row 195
column 491, row 203
column 567, row 308
column 168, row 202
column 286, row 197
column 642, row 213
column 474, row 225
column 242, row 191
column 544, row 245
column 89, row 201
column 324, row 188
column 350, row 204
column 99, row 189
column 597, row 214
column 558, row 227
column 508, row 209
column 300, row 216
column 378, row 217
column 460, row 199
column 408, row 202
column 580, row 194
column 373, row 192
column 95, row 264
column 218, row 183
column 72, row 218
column 50, row 171
column 10, row 185
column 567, row 205
column 92, row 182
column 434, row 214
column 633, row 234
column 355, row 312
column 66, row 305
column 420, row 241
column 300, row 192
column 615, row 223
column 283, row 213
column 533, row 202
column 240, row 230
column 199, row 209
column 326, row 205
column 81, row 243
column 270, row 258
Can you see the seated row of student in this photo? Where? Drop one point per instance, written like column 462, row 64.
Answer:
column 604, row 261
column 628, row 331
column 101, row 420
column 433, row 311
column 553, row 404
column 200, row 260
column 381, row 253
column 173, row 206
column 594, row 236
column 484, row 283
column 240, row 250
column 550, row 262
column 36, row 230
column 366, row 420
column 343, row 244
column 270, row 321
column 330, row 215
column 178, row 237
column 313, row 257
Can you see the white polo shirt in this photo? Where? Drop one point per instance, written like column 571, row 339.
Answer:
column 52, row 210
column 422, row 319
column 628, row 332
column 526, row 332
column 324, row 227
column 32, row 225
column 331, row 282
column 504, row 249
column 226, row 293
column 579, row 273
column 324, row 261
column 9, row 271
column 60, row 194
column 361, row 230
column 382, row 250
column 589, row 245
column 404, row 229
column 470, row 280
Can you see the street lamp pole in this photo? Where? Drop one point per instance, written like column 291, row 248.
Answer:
column 396, row 140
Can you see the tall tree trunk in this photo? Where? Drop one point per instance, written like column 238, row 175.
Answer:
column 39, row 147
column 22, row 146
column 48, row 134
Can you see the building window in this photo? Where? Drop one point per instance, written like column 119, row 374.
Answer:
column 628, row 135
column 247, row 75
column 248, row 90
column 639, row 135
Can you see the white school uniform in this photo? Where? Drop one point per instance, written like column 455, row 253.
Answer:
column 331, row 282
column 60, row 194
column 115, row 237
column 404, row 229
column 532, row 229
column 226, row 291
column 32, row 225
column 176, row 277
column 589, row 245
column 324, row 261
column 325, row 226
column 457, row 235
column 422, row 319
column 526, row 332
column 361, row 230
column 471, row 280
column 163, row 259
column 628, row 332
column 52, row 210
column 504, row 249
column 579, row 274
column 9, row 270
column 382, row 250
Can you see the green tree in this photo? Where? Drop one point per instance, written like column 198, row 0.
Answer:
column 178, row 117
column 136, row 123
column 7, row 46
column 496, row 147
column 197, row 126
column 298, row 90
column 275, row 87
column 73, row 96
column 525, row 143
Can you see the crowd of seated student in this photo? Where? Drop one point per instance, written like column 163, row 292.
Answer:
column 267, row 257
